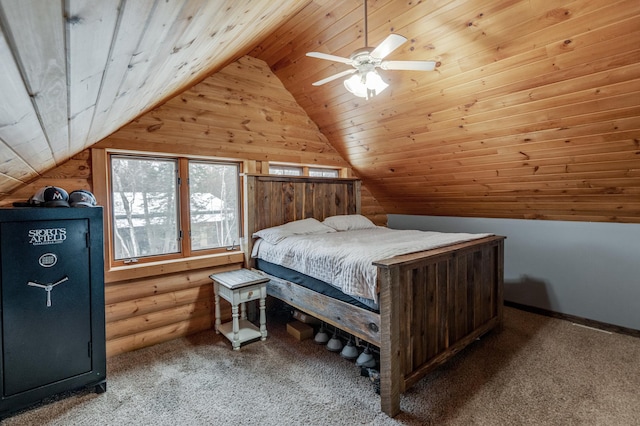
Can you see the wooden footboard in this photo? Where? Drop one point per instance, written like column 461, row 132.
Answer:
column 433, row 304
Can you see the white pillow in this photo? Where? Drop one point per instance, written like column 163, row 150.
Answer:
column 349, row 222
column 276, row 234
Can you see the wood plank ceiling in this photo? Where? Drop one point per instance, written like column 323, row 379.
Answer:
column 532, row 112
column 74, row 71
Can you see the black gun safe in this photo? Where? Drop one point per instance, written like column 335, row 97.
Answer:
column 52, row 323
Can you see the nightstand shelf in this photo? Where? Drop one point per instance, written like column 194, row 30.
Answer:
column 238, row 287
column 246, row 331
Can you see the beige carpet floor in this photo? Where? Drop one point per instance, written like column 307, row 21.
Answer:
column 537, row 371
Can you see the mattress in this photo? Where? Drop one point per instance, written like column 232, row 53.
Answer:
column 345, row 258
column 314, row 284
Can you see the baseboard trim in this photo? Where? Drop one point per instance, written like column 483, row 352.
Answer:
column 575, row 319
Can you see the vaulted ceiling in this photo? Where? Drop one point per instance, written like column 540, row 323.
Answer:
column 533, row 110
column 74, row 71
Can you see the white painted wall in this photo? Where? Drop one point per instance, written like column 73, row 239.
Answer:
column 587, row 269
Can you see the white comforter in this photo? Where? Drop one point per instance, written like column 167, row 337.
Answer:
column 345, row 258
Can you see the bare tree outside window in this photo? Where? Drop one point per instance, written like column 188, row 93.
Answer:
column 214, row 205
column 147, row 220
column 145, row 206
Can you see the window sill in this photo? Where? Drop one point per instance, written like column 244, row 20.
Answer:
column 144, row 270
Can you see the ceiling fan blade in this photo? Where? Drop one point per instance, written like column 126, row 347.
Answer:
column 408, row 65
column 328, row 57
column 391, row 43
column 333, row 77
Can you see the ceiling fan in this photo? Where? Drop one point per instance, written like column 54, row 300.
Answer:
column 366, row 82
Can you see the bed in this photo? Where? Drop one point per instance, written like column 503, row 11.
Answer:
column 431, row 304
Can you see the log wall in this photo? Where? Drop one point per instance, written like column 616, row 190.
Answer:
column 244, row 113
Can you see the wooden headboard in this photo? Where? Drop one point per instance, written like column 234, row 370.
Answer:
column 274, row 200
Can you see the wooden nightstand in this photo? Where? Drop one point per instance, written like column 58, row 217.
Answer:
column 238, row 287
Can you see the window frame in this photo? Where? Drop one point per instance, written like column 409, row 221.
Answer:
column 103, row 191
column 186, row 202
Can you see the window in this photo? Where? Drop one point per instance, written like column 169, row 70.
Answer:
column 278, row 169
column 144, row 207
column 166, row 208
column 322, row 172
column 213, row 205
column 288, row 170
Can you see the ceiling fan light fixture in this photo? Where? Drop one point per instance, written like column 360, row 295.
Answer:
column 365, row 84
column 355, row 85
column 365, row 81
